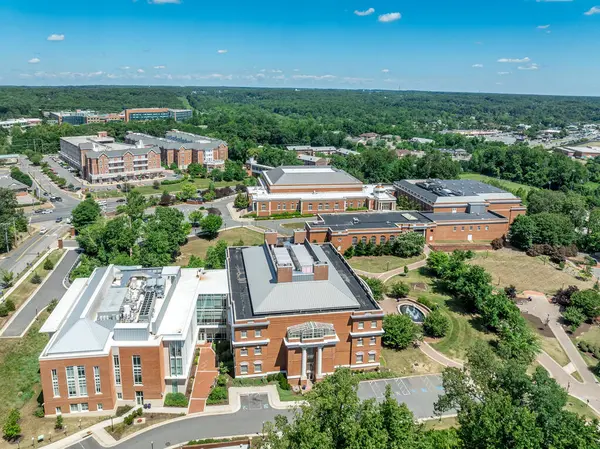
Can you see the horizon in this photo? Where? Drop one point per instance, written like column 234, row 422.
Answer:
column 541, row 47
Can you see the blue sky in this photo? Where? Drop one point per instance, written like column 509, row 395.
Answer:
column 512, row 46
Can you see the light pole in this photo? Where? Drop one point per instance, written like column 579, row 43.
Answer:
column 151, row 444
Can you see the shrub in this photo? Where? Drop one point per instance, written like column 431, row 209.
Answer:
column 427, row 302
column 222, row 380
column 39, row 412
column 497, row 243
column 436, row 324
column 11, row 429
column 48, row 264
column 122, row 409
column 511, row 291
column 10, row 305
column 3, row 310
column 583, row 345
column 128, row 420
column 52, row 305
column 36, row 278
column 378, row 288
column 574, row 317
column 563, row 296
column 156, row 185
column 400, row 331
column 349, row 253
column 399, row 290
column 175, row 400
column 58, row 424
column 217, row 395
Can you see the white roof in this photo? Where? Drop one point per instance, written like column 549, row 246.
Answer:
column 61, row 310
column 261, row 194
column 183, row 302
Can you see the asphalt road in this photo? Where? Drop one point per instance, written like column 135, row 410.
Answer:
column 52, row 288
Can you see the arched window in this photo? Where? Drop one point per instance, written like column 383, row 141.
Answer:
column 373, row 240
column 354, row 240
column 382, row 239
column 364, row 239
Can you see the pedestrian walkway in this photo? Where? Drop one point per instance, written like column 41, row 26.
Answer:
column 386, row 276
column 438, row 356
column 206, row 372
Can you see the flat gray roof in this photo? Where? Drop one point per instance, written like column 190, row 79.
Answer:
column 301, row 175
column 255, row 291
column 368, row 220
column 463, row 216
column 434, row 189
column 6, row 182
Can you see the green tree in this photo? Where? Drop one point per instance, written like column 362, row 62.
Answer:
column 574, row 316
column 210, row 225
column 436, row 324
column 438, row 262
column 36, row 278
column 241, row 201
column 188, row 190
column 196, row 262
column 11, row 428
column 48, row 264
column 399, row 290
column 216, row 255
column 378, row 288
column 523, row 232
column 86, row 212
column 195, row 217
column 8, row 278
column 196, row 170
column 400, row 331
column 135, row 205
column 588, row 301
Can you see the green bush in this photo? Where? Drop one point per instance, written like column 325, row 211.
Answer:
column 176, row 400
column 11, row 428
column 3, row 310
column 10, row 305
column 39, row 412
column 436, row 324
column 36, row 278
column 58, row 424
column 583, row 345
column 217, row 395
column 426, row 302
column 222, row 380
column 48, row 264
column 122, row 409
column 128, row 420
column 52, row 305
column 399, row 290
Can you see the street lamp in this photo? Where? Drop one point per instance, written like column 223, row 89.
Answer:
column 151, row 444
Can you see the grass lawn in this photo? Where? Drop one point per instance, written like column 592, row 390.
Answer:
column 200, row 183
column 465, row 327
column 288, row 395
column 294, row 225
column 547, row 340
column 409, row 361
column 121, row 430
column 508, row 267
column 592, row 335
column 483, row 178
column 199, row 246
column 440, row 424
column 380, row 264
column 26, row 288
column 581, row 408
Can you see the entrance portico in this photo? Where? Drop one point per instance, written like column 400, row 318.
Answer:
column 315, row 344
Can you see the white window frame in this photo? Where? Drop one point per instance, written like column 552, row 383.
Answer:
column 258, row 333
column 361, row 324
column 243, row 334
column 58, row 410
column 117, row 369
column 374, row 324
column 360, row 342
column 55, row 386
column 310, row 206
column 258, row 367
column 99, row 407
column 137, row 370
column 360, row 358
column 244, row 352
column 258, row 350
column 372, row 341
column 81, row 381
column 97, row 384
column 243, row 368
column 119, row 395
column 372, row 356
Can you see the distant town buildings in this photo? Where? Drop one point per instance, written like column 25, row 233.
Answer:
column 21, row 122
column 580, row 152
column 7, row 182
column 312, row 151
column 84, row 117
column 315, row 189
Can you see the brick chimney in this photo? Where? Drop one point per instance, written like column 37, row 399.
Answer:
column 299, row 236
column 321, row 271
column 284, row 274
column 271, row 237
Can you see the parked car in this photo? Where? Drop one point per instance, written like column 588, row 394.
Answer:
column 59, row 219
column 47, row 211
column 38, row 211
column 121, row 200
column 43, row 231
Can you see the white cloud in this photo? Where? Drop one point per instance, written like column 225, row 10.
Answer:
column 389, row 17
column 140, row 70
column 385, row 71
column 93, row 74
column 593, row 10
column 366, row 12
column 276, row 71
column 56, row 37
column 503, row 73
column 477, row 66
column 532, row 66
column 279, row 77
column 164, row 2
column 314, row 77
column 543, row 27
column 34, row 60
column 516, row 60
column 24, row 75
column 160, row 66
column 296, row 70
column 221, row 52
column 125, row 67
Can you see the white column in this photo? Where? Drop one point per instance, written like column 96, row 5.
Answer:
column 303, row 363
column 319, row 361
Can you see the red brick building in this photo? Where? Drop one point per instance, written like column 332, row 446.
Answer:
column 313, row 190
column 300, row 309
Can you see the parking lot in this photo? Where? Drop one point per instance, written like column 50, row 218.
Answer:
column 419, row 393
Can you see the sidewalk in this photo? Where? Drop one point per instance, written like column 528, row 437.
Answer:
column 386, row 276
column 206, row 372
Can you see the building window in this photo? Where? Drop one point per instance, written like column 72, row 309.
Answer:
column 97, row 380
column 284, row 206
column 373, row 324
column 278, row 206
column 257, row 333
column 176, row 358
column 74, row 408
column 382, row 239
column 371, row 357
column 462, row 228
column 99, row 407
column 359, row 342
column 309, row 206
column 320, row 206
column 243, row 369
column 258, row 350
column 373, row 341
column 454, row 229
column 58, row 411
column 55, row 389
column 244, row 334
column 137, row 370
column 470, row 228
column 258, row 367
column 81, row 380
column 350, row 205
column 373, row 240
column 361, row 324
column 244, row 352
column 336, row 206
column 263, row 206
column 454, row 210
column 487, row 228
column 119, row 395
column 354, row 240
column 359, row 357
column 117, row 369
column 479, row 228
column 363, row 239
column 392, row 238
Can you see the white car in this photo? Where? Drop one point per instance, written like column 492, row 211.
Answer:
column 43, row 231
column 47, row 211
